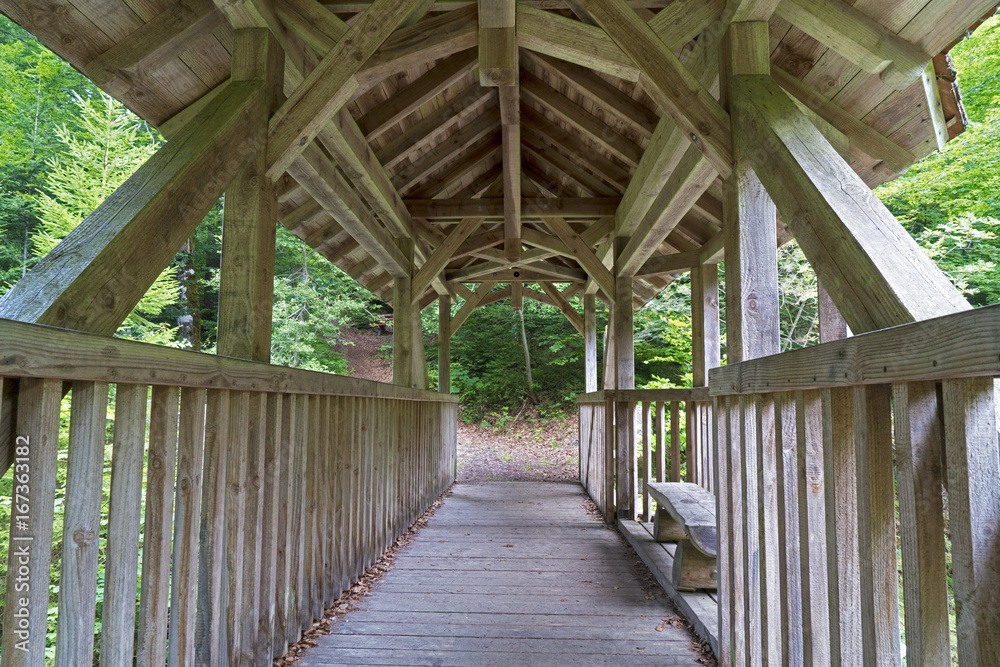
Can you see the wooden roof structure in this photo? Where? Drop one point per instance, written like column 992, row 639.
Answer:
column 513, row 144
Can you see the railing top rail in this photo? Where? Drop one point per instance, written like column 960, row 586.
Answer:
column 676, row 394
column 32, row 350
column 964, row 344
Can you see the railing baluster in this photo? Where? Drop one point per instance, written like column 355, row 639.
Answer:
column 164, row 409
column 610, row 508
column 753, row 562
column 187, row 511
column 122, row 553
column 723, row 513
column 286, row 476
column 789, row 563
column 81, row 525
column 843, row 566
column 236, row 492
column 918, row 435
column 661, row 443
column 974, row 505
column 812, row 528
column 268, row 564
column 767, row 506
column 691, row 444
column 211, row 549
column 876, row 525
column 675, row 442
column 647, row 464
column 301, row 618
column 738, row 546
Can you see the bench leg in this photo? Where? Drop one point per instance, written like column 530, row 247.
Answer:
column 693, row 569
column 665, row 529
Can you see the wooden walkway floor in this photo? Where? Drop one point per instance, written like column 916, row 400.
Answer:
column 511, row 573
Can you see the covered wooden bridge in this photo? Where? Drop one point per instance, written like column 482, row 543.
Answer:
column 462, row 153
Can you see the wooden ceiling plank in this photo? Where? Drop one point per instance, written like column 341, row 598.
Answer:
column 531, row 207
column 149, row 47
column 330, row 85
column 446, row 150
column 412, row 97
column 459, row 168
column 535, row 147
column 551, row 99
column 858, row 38
column 601, row 93
column 432, row 125
column 481, row 183
column 674, row 88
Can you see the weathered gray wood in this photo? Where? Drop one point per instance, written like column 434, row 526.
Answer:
column 724, row 513
column 918, row 434
column 211, row 546
column 691, row 506
column 272, row 532
column 187, row 512
column 974, row 512
column 556, row 608
column 157, row 532
column 81, row 524
column 97, row 274
column 35, row 447
column 789, row 555
column 40, row 351
column 122, row 556
column 693, row 570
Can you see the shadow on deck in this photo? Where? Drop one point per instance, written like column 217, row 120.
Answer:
column 512, row 573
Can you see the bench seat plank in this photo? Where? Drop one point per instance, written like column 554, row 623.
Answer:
column 692, row 507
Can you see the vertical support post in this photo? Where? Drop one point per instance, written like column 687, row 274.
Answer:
column 624, row 379
column 705, row 343
column 246, row 280
column 752, row 331
column 419, row 354
column 832, row 325
column 402, row 317
column 590, row 341
column 444, row 343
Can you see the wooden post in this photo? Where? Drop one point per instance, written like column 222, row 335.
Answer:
column 590, row 341
column 419, row 353
column 705, row 344
column 752, row 331
column 832, row 325
column 444, row 343
column 246, row 280
column 624, row 361
column 402, row 322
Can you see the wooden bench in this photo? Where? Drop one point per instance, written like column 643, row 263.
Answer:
column 685, row 513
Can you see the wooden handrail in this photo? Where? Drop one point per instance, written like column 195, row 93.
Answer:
column 698, row 394
column 32, row 350
column 964, row 344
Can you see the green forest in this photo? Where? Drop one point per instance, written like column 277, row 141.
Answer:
column 64, row 146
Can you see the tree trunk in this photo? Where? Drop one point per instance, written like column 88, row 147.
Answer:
column 527, row 359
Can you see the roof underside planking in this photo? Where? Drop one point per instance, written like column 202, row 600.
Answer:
column 563, row 154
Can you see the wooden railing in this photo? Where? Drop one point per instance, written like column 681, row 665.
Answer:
column 263, row 493
column 807, row 517
column 649, row 444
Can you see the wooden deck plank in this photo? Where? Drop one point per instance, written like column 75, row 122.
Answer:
column 511, row 573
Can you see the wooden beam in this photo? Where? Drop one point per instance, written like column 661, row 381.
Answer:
column 510, row 114
column 314, row 24
column 672, row 264
column 531, row 207
column 471, row 303
column 564, row 306
column 679, row 93
column 497, row 43
column 317, row 174
column 862, row 136
column 97, row 274
column 687, row 183
column 431, row 39
column 246, row 279
column 410, row 98
column 330, row 85
column 487, row 150
column 582, row 253
column 873, row 269
column 933, row 95
column 442, row 254
column 858, row 38
column 444, row 344
column 148, row 48
column 402, row 321
column 516, row 296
